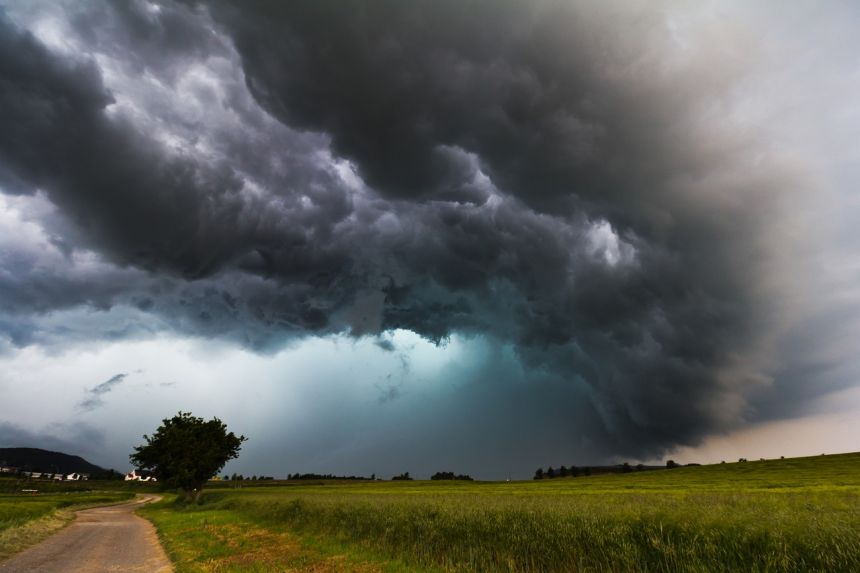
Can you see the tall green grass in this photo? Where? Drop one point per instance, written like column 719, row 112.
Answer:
column 783, row 515
column 624, row 532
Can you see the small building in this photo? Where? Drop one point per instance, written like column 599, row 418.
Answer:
column 77, row 477
column 135, row 475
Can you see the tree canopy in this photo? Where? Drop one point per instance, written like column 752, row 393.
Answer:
column 186, row 451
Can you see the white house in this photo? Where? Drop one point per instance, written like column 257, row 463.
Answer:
column 134, row 476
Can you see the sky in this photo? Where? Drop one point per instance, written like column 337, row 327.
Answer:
column 385, row 236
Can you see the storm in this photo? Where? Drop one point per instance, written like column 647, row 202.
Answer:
column 384, row 235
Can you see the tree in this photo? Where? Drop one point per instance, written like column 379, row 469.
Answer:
column 539, row 473
column 186, row 451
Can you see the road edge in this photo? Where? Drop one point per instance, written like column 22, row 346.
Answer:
column 40, row 529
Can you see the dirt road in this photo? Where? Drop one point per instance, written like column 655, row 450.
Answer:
column 99, row 540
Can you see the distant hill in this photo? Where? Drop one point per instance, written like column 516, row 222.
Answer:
column 34, row 459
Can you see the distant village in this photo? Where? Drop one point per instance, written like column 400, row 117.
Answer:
column 133, row 475
column 74, row 476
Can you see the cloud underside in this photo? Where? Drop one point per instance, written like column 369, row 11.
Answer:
column 555, row 176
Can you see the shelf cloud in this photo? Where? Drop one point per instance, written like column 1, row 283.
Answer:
column 566, row 179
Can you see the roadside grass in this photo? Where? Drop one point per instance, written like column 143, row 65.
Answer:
column 215, row 541
column 28, row 519
column 780, row 515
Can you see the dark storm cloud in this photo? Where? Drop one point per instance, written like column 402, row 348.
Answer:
column 543, row 173
column 571, row 110
column 57, row 137
column 72, row 438
column 94, row 396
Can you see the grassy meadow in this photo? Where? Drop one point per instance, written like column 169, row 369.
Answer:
column 26, row 519
column 798, row 514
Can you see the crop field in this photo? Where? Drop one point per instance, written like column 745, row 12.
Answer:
column 780, row 515
column 26, row 519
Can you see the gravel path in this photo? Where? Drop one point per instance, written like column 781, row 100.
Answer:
column 101, row 539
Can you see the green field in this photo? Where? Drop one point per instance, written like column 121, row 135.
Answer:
column 26, row 519
column 780, row 515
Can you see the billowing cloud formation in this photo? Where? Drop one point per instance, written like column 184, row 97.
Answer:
column 561, row 177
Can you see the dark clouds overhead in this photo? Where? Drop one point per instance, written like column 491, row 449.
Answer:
column 558, row 176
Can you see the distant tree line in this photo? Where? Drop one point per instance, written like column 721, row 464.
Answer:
column 574, row 471
column 298, row 476
column 450, row 475
column 240, row 477
column 402, row 477
column 562, row 471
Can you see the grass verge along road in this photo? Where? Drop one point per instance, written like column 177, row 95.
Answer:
column 28, row 519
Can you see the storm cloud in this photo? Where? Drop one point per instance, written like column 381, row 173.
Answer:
column 75, row 438
column 564, row 179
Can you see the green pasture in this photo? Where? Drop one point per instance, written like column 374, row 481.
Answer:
column 781, row 515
